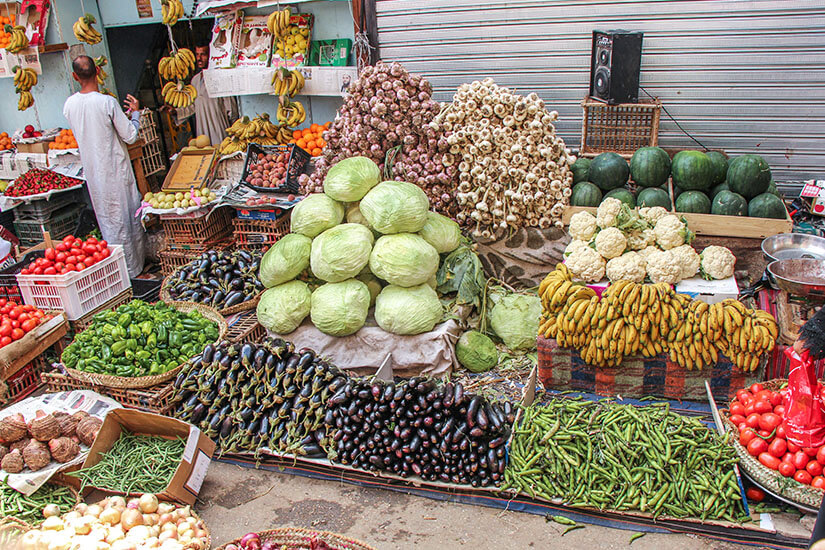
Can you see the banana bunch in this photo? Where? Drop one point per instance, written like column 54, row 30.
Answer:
column 278, row 22
column 24, row 79
column 744, row 334
column 287, row 83
column 100, row 62
column 290, row 113
column 258, row 130
column 171, row 11
column 84, row 31
column 18, row 40
column 177, row 94
column 230, row 145
column 178, row 65
column 26, row 100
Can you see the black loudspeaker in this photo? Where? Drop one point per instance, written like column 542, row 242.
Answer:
column 614, row 66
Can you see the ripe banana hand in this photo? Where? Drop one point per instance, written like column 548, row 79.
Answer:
column 287, row 83
column 178, row 66
column 18, row 40
column 278, row 22
column 24, row 79
column 171, row 11
column 291, row 113
column 85, row 32
column 177, row 94
column 26, row 100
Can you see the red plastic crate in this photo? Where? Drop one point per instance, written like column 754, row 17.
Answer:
column 24, row 382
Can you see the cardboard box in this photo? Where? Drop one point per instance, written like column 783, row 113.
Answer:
column 226, row 35
column 330, row 53
column 186, row 483
column 255, row 44
column 39, row 147
column 711, row 292
column 34, row 15
column 192, row 169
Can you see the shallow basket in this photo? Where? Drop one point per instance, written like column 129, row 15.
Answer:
column 226, row 312
column 8, row 521
column 771, row 479
column 293, row 538
column 138, row 382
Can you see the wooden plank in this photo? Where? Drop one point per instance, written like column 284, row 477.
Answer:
column 51, row 48
column 43, row 342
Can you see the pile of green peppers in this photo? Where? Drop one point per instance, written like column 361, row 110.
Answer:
column 139, row 339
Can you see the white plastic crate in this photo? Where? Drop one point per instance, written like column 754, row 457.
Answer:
column 152, row 159
column 78, row 293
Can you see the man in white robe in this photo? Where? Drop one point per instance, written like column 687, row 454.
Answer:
column 102, row 131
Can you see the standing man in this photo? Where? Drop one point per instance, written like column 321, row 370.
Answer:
column 102, row 132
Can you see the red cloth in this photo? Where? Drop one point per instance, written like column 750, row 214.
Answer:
column 804, row 410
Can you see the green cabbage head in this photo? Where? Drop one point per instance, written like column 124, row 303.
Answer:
column 515, row 319
column 315, row 214
column 441, row 232
column 354, row 215
column 412, row 310
column 284, row 307
column 350, row 179
column 395, row 207
column 373, row 284
column 341, row 252
column 285, row 260
column 340, row 309
column 476, row 351
column 403, row 259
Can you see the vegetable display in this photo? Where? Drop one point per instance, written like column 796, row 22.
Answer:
column 417, row 427
column 632, row 319
column 249, row 397
column 17, row 320
column 171, row 200
column 49, row 497
column 268, row 169
column 33, row 445
column 221, row 279
column 139, row 339
column 72, row 254
column 37, row 181
column 620, row 457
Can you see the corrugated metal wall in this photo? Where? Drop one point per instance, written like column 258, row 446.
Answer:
column 743, row 76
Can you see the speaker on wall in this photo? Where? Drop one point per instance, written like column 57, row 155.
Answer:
column 614, row 66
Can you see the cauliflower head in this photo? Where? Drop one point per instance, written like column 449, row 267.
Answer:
column 647, row 251
column 652, row 214
column 608, row 212
column 610, row 243
column 637, row 240
column 671, row 232
column 574, row 245
column 717, row 262
column 688, row 259
column 630, row 266
column 586, row 265
column 582, row 226
column 663, row 267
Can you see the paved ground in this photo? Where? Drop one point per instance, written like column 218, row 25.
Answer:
column 237, row 500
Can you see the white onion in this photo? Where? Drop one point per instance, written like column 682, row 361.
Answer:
column 110, row 516
column 148, row 503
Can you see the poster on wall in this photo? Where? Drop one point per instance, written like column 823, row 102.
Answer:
column 144, row 8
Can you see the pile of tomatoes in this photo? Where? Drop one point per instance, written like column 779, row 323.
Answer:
column 72, row 254
column 17, row 320
column 758, row 413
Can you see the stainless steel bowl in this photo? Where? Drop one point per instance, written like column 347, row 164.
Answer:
column 789, row 246
column 800, row 277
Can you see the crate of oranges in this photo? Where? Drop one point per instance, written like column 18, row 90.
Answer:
column 5, row 142
column 311, row 139
column 64, row 140
column 5, row 37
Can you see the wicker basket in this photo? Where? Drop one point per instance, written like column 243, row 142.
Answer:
column 293, row 538
column 226, row 312
column 27, row 526
column 147, row 381
column 772, row 480
column 11, row 529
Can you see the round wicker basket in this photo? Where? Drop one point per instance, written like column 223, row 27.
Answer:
column 772, row 480
column 11, row 529
column 295, row 538
column 252, row 303
column 26, row 525
column 122, row 382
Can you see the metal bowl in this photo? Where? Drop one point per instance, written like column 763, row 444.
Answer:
column 789, row 246
column 800, row 277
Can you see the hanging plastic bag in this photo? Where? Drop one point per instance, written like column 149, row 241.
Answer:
column 804, row 409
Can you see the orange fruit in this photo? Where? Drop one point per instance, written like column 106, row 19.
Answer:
column 320, row 142
column 296, row 134
column 301, row 143
column 310, row 145
column 316, row 152
column 306, row 132
column 314, row 127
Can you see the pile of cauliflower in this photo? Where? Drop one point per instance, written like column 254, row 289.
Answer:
column 627, row 244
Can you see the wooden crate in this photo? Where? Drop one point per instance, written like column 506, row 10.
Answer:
column 246, row 329
column 156, row 399
column 621, row 128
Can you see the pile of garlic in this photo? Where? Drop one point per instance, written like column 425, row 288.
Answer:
column 115, row 524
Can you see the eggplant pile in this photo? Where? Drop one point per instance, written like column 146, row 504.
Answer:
column 220, row 279
column 250, row 397
column 418, row 427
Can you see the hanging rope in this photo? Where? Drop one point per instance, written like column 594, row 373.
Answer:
column 172, row 43
column 65, row 53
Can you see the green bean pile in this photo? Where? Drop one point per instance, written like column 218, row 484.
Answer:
column 620, row 457
column 30, row 508
column 135, row 464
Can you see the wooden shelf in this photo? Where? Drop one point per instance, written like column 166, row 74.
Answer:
column 51, row 48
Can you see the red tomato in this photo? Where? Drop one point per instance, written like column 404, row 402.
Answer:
column 758, row 446
column 105, row 253
column 818, row 482
column 788, row 457
column 97, row 256
column 765, row 434
column 89, row 249
column 778, row 448
column 70, row 267
column 23, row 317
column 780, row 410
column 25, row 272
column 91, row 240
column 787, row 469
column 814, row 468
column 64, row 271
column 746, row 436
column 792, row 447
column 29, row 326
column 756, row 388
column 737, row 408
column 755, row 494
column 60, row 256
column 17, row 334
column 81, row 266
column 50, row 254
column 750, row 407
column 15, row 313
column 780, row 432
column 68, row 239
column 763, row 406
column 3, row 302
column 75, row 251
column 753, row 420
column 769, row 460
column 71, row 259
column 810, row 451
column 77, row 243
column 104, row 244
column 776, row 398
column 737, row 419
column 803, row 477
column 800, row 460
column 61, row 247
column 5, row 329
column 820, row 454
column 15, row 324
column 769, row 421
column 5, row 340
column 59, row 265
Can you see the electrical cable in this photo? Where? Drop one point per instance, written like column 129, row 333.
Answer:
column 676, row 122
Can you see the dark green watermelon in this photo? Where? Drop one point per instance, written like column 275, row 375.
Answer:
column 719, row 163
column 728, row 203
column 609, row 171
column 580, row 169
column 767, row 205
column 749, row 175
column 653, row 196
column 692, row 171
column 585, row 194
column 650, row 166
column 773, row 190
column 676, row 191
column 693, row 201
column 623, row 195
column 721, row 187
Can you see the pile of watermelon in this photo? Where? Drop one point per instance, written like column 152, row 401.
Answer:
column 703, row 182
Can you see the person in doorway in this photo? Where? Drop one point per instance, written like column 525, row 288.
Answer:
column 102, row 131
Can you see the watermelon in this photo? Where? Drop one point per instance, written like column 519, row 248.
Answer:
column 719, row 163
column 623, row 195
column 728, row 203
column 580, row 170
column 676, row 191
column 773, row 190
column 609, row 171
column 650, row 166
column 721, row 187
column 693, row 201
column 585, row 194
column 767, row 205
column 692, row 171
column 653, row 196
column 749, row 175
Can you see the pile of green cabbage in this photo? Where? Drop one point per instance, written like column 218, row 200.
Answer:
column 362, row 242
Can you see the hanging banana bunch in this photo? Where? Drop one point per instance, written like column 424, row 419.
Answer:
column 171, row 11
column 177, row 66
column 26, row 100
column 101, row 62
column 84, row 31
column 288, row 83
column 18, row 40
column 290, row 113
column 278, row 22
column 177, row 94
column 24, row 79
